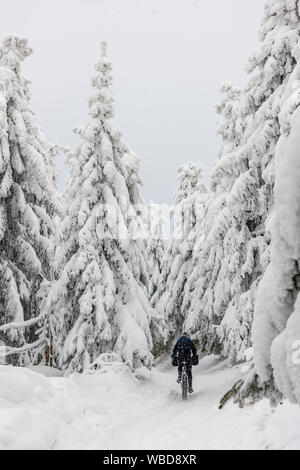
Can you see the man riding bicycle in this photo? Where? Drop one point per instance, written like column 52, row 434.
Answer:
column 185, row 351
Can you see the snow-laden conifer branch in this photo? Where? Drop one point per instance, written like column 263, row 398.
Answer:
column 6, row 351
column 25, row 324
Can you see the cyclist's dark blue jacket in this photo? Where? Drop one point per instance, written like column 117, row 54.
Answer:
column 185, row 349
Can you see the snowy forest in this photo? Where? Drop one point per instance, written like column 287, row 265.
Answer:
column 92, row 289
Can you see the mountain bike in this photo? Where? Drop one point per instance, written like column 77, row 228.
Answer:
column 184, row 381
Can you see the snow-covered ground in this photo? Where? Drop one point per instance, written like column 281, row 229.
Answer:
column 115, row 410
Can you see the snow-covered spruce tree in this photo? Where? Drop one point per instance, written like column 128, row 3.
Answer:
column 200, row 297
column 27, row 206
column 187, row 216
column 236, row 252
column 100, row 297
column 276, row 328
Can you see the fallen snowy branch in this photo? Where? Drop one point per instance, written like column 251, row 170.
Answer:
column 231, row 394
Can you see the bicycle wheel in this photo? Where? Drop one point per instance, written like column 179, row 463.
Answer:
column 184, row 387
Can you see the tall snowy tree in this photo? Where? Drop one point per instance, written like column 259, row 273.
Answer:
column 276, row 328
column 201, row 295
column 236, row 251
column 187, row 215
column 27, row 206
column 100, row 297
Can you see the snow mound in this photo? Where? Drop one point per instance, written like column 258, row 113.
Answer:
column 19, row 384
column 46, row 371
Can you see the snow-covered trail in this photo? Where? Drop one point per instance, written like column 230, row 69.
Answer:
column 114, row 410
column 173, row 423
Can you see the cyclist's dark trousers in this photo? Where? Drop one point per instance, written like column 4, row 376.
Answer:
column 188, row 371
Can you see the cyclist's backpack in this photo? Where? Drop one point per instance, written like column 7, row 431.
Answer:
column 184, row 347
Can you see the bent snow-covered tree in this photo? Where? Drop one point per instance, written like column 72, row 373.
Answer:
column 188, row 215
column 27, row 206
column 100, row 297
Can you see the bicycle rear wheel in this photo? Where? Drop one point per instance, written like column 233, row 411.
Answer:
column 184, row 387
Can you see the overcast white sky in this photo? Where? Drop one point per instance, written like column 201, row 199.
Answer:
column 169, row 59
